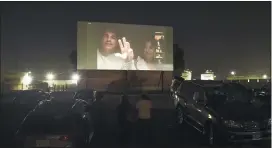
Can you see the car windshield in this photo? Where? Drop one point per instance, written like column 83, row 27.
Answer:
column 175, row 84
column 237, row 92
column 84, row 94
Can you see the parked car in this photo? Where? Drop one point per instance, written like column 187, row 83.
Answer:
column 221, row 112
column 17, row 104
column 56, row 124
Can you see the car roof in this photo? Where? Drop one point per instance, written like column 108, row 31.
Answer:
column 52, row 108
column 207, row 83
column 178, row 78
column 85, row 90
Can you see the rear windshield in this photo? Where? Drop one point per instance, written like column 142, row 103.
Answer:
column 84, row 95
column 47, row 125
column 176, row 84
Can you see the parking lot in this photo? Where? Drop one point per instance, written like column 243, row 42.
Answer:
column 165, row 131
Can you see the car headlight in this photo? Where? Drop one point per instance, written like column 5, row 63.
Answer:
column 232, row 124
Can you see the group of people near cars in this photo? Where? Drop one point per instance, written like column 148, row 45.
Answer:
column 134, row 121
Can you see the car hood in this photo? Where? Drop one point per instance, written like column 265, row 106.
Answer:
column 239, row 111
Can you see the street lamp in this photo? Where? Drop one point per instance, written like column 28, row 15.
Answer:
column 233, row 73
column 50, row 76
column 264, row 76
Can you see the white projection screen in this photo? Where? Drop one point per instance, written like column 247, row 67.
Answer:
column 111, row 46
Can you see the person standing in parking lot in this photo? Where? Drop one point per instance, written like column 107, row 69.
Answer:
column 144, row 106
column 124, row 111
column 98, row 112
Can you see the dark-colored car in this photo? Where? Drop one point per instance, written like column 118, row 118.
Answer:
column 222, row 111
column 56, row 124
column 17, row 104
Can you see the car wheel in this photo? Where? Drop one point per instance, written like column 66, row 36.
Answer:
column 180, row 115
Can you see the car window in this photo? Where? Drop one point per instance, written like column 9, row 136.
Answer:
column 187, row 90
column 199, row 94
column 179, row 88
column 237, row 92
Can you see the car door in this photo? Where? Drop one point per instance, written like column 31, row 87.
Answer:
column 186, row 99
column 200, row 113
column 192, row 106
column 84, row 109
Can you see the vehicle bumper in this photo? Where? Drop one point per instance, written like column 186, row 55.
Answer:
column 248, row 136
column 33, row 142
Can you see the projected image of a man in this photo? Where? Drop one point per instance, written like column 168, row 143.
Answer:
column 112, row 56
column 109, row 42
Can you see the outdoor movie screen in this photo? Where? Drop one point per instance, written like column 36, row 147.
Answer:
column 110, row 46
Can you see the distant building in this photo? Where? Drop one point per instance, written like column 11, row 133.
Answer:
column 60, row 85
column 187, row 74
column 208, row 75
column 249, row 77
column 11, row 81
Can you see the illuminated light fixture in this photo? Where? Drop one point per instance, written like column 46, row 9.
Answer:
column 27, row 79
column 50, row 76
column 233, row 73
column 75, row 77
column 264, row 76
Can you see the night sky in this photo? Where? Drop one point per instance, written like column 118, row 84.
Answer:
column 221, row 36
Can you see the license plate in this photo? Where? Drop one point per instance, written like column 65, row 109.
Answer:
column 42, row 143
column 256, row 136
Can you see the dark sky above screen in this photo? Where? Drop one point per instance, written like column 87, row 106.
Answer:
column 113, row 46
column 215, row 35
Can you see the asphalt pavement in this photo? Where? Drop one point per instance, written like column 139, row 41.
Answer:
column 165, row 131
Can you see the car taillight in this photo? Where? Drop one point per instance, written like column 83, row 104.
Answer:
column 64, row 138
